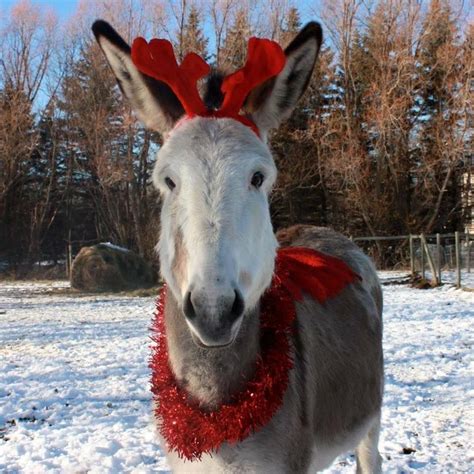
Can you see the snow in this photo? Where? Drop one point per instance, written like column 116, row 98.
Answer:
column 447, row 277
column 74, row 393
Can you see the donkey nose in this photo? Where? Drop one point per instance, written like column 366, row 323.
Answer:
column 194, row 305
column 213, row 322
column 237, row 306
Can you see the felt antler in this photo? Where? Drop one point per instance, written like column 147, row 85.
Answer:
column 157, row 59
column 265, row 59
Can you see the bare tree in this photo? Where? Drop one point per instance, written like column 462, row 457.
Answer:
column 381, row 142
column 220, row 11
column 26, row 42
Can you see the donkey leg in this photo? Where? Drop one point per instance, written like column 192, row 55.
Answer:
column 368, row 457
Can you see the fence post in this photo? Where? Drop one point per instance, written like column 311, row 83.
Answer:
column 434, row 278
column 69, row 258
column 438, row 253
column 412, row 258
column 458, row 260
column 422, row 257
column 468, row 257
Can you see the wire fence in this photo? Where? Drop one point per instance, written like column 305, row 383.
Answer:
column 439, row 258
column 434, row 256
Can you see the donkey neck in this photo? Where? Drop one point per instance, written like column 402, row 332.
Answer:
column 210, row 375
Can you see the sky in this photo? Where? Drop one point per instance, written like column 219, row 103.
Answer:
column 63, row 8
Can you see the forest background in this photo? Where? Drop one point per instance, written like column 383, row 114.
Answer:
column 381, row 143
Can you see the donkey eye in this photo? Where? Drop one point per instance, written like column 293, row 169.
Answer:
column 170, row 183
column 257, row 179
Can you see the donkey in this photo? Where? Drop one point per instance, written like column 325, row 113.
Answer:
column 217, row 254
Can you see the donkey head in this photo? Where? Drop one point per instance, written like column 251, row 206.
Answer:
column 217, row 246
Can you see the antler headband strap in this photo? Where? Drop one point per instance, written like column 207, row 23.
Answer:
column 265, row 59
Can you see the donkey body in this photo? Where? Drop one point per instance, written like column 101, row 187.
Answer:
column 217, row 252
column 333, row 403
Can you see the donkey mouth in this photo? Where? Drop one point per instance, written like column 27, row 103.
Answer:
column 211, row 346
column 215, row 339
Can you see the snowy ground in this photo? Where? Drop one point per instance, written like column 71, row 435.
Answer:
column 447, row 277
column 74, row 382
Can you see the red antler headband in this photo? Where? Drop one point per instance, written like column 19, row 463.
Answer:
column 265, row 59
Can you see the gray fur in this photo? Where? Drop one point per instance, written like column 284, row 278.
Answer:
column 335, row 394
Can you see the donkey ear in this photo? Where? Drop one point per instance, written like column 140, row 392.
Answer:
column 154, row 102
column 274, row 100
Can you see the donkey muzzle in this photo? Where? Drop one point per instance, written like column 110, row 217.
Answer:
column 216, row 322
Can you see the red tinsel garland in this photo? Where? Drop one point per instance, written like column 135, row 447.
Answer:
column 190, row 431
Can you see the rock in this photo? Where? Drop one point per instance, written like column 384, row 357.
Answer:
column 105, row 267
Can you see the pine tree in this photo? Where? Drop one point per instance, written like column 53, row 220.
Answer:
column 112, row 157
column 439, row 27
column 18, row 138
column 440, row 67
column 45, row 189
column 298, row 197
column 97, row 124
column 292, row 26
column 234, row 51
column 193, row 38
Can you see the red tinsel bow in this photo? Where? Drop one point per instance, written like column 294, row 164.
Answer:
column 192, row 432
column 265, row 59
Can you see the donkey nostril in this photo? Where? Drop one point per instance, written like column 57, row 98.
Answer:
column 238, row 306
column 188, row 307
